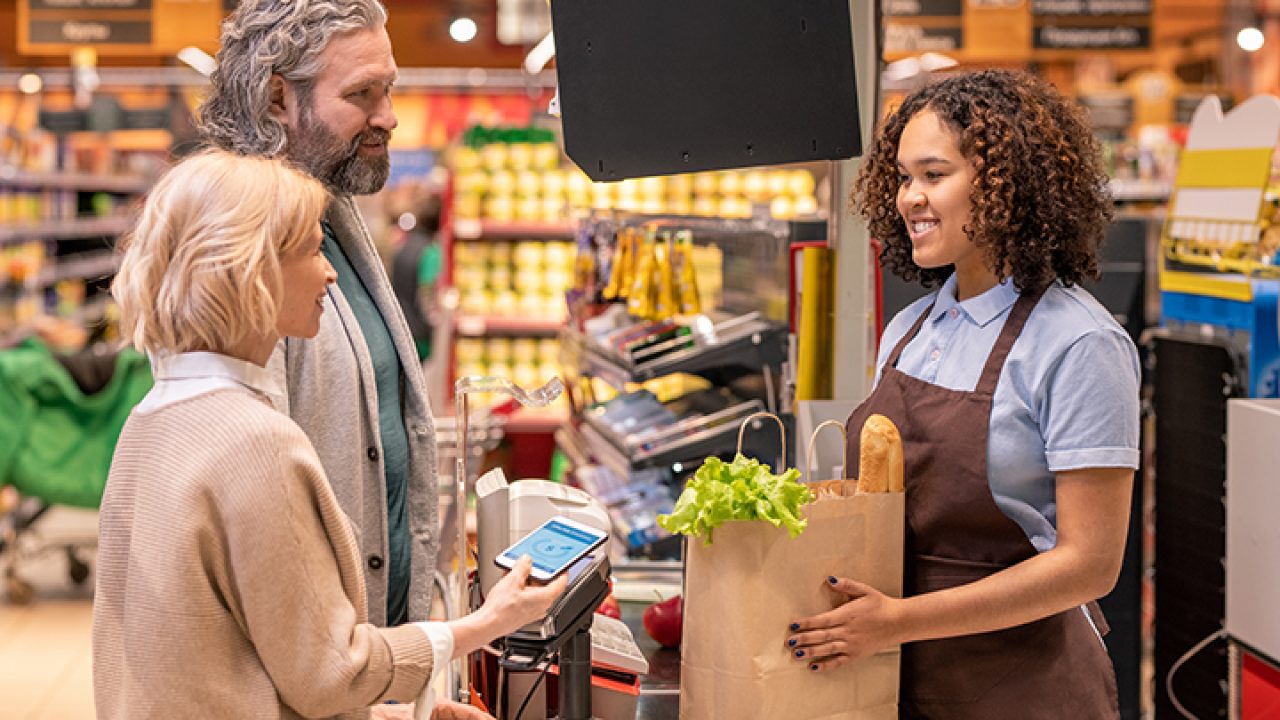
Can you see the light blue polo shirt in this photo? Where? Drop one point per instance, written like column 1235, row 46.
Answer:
column 1067, row 398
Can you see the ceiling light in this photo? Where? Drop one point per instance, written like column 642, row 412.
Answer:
column 462, row 30
column 1250, row 39
column 199, row 60
column 30, row 84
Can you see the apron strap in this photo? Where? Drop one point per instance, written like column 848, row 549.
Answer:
column 1008, row 336
column 906, row 339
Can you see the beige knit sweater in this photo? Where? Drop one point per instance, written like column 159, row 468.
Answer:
column 229, row 583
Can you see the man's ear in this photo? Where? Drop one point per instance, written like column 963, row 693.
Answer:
column 282, row 99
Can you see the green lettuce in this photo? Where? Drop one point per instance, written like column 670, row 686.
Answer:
column 744, row 489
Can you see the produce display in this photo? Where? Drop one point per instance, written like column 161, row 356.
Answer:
column 528, row 362
column 517, row 175
column 525, row 279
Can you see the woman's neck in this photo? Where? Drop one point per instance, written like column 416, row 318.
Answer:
column 973, row 282
column 255, row 349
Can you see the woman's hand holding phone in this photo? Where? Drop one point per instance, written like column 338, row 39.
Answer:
column 513, row 602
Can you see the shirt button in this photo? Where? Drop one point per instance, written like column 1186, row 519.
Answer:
column 935, row 354
column 375, row 562
column 953, row 312
column 372, row 452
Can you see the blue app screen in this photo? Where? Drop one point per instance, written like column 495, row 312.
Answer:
column 553, row 546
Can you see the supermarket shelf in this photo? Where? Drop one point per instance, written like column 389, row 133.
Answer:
column 55, row 229
column 481, row 325
column 130, row 184
column 88, row 266
column 493, row 230
column 688, row 440
column 535, row 421
column 748, row 341
column 1140, row 190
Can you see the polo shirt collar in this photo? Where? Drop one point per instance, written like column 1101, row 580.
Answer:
column 981, row 309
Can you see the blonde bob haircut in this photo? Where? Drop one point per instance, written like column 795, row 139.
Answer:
column 201, row 270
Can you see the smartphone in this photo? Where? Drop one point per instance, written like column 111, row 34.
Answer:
column 554, row 546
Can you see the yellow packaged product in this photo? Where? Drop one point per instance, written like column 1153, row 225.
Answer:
column 618, row 271
column 640, row 300
column 686, row 280
column 665, row 303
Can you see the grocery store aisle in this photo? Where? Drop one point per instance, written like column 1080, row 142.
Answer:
column 46, row 669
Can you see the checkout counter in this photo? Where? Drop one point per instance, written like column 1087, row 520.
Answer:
column 505, row 513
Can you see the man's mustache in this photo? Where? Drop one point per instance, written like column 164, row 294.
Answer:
column 371, row 135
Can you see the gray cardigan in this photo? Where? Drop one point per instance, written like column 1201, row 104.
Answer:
column 331, row 394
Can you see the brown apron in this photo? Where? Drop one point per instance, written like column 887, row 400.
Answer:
column 1053, row 668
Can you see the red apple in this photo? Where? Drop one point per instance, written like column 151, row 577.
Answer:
column 610, row 607
column 664, row 621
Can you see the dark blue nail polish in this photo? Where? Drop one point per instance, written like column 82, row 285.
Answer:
column 831, row 579
column 791, row 642
column 814, row 667
column 799, row 653
column 795, row 627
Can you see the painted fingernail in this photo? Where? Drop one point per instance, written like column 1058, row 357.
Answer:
column 831, row 579
column 791, row 642
column 799, row 653
column 814, row 667
column 795, row 627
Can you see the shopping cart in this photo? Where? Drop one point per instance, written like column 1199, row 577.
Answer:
column 60, row 417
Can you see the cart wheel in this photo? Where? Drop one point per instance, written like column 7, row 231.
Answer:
column 76, row 567
column 19, row 591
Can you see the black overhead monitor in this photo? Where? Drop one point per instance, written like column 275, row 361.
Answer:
column 657, row 87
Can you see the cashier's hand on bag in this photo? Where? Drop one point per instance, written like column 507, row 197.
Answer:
column 859, row 628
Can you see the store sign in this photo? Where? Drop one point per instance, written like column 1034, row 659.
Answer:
column 89, row 4
column 1109, row 114
column 1090, row 7
column 1065, row 37
column 91, row 32
column 924, row 8
column 908, row 38
column 120, row 27
column 522, row 22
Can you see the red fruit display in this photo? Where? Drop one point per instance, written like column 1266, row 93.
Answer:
column 664, row 621
column 610, row 607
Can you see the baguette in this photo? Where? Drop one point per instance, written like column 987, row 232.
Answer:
column 880, row 456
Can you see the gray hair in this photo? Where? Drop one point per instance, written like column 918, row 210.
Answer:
column 273, row 37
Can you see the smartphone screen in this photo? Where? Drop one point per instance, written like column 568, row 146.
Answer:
column 553, row 546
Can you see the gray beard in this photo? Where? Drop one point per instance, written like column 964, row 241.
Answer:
column 316, row 149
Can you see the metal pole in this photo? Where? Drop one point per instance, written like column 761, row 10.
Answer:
column 461, row 596
column 575, row 676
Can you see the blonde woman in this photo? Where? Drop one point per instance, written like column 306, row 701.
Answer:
column 229, row 581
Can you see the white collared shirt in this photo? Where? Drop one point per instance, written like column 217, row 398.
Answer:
column 190, row 374
column 187, row 375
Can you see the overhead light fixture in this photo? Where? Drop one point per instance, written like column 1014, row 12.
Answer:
column 30, row 83
column 198, row 60
column 463, row 30
column 1250, row 39
column 540, row 55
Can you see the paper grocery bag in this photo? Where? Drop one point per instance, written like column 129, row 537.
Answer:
column 743, row 590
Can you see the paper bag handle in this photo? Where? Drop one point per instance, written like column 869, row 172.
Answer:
column 782, row 429
column 808, row 455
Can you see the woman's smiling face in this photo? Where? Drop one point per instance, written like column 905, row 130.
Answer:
column 933, row 199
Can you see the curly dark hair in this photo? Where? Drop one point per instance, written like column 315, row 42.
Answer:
column 1040, row 202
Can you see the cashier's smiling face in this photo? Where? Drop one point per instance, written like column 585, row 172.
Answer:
column 933, row 195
